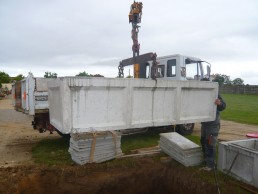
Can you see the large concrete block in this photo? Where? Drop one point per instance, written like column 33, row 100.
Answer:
column 240, row 160
column 79, row 104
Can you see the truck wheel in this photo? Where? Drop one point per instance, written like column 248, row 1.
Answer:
column 185, row 129
column 42, row 130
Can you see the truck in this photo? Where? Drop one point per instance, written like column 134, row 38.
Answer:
column 171, row 67
column 169, row 92
column 34, row 92
column 82, row 104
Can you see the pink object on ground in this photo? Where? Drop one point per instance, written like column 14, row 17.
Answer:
column 253, row 135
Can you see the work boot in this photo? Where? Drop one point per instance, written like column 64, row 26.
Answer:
column 206, row 168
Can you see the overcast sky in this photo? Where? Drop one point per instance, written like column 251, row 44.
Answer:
column 68, row 37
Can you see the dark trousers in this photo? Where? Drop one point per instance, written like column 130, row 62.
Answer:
column 209, row 136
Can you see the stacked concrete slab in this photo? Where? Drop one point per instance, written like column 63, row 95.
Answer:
column 181, row 149
column 95, row 147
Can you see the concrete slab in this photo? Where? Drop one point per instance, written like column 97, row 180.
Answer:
column 180, row 148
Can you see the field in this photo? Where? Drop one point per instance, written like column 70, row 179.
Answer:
column 241, row 108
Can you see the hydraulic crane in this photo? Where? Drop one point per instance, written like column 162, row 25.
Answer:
column 135, row 15
column 135, row 18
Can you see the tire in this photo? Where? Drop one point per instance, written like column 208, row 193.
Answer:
column 185, row 129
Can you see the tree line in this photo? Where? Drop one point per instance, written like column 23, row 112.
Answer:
column 225, row 79
column 6, row 78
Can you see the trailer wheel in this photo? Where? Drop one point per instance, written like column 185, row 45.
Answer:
column 185, row 129
column 42, row 130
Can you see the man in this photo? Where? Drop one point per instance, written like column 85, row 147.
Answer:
column 209, row 135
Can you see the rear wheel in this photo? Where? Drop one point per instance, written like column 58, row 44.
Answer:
column 185, row 129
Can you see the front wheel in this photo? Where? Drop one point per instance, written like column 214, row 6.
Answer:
column 185, row 129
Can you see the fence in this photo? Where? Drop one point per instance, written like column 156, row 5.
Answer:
column 239, row 89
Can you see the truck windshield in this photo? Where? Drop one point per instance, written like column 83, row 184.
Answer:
column 193, row 71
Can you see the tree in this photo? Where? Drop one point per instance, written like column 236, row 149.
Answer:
column 18, row 77
column 83, row 74
column 48, row 74
column 4, row 78
column 222, row 79
column 98, row 75
column 238, row 81
column 88, row 75
column 219, row 78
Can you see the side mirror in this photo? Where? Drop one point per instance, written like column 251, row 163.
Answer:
column 208, row 71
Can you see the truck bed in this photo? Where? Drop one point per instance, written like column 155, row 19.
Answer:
column 81, row 104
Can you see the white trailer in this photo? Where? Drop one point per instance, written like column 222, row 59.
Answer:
column 34, row 100
column 81, row 104
column 34, row 95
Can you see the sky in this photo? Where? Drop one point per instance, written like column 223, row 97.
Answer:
column 68, row 37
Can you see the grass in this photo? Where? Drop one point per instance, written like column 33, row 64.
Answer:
column 52, row 152
column 241, row 108
column 141, row 140
column 194, row 138
column 55, row 151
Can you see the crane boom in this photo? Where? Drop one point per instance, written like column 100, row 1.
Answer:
column 135, row 18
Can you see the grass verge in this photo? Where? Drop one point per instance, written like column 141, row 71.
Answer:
column 55, row 151
column 52, row 152
column 241, row 108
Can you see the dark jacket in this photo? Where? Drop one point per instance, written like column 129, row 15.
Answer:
column 216, row 122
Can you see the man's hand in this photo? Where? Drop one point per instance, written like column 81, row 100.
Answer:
column 217, row 102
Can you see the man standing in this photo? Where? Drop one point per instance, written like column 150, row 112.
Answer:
column 209, row 136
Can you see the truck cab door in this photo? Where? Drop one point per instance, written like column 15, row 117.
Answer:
column 169, row 68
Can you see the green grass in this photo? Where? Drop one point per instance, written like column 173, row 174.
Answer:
column 55, row 151
column 148, row 139
column 141, row 140
column 241, row 108
column 194, row 138
column 52, row 152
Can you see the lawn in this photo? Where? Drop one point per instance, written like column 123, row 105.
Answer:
column 241, row 108
column 52, row 152
column 55, row 151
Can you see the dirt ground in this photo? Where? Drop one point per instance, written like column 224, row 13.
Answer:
column 230, row 130
column 17, row 135
column 18, row 173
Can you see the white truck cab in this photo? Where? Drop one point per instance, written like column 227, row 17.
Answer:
column 177, row 67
